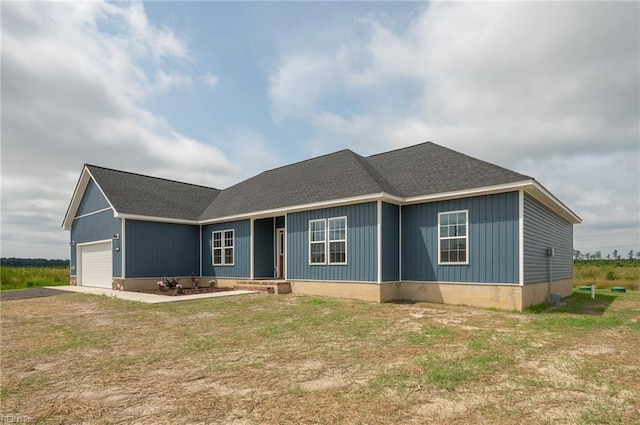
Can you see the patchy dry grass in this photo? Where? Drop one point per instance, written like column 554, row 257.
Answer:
column 607, row 273
column 292, row 359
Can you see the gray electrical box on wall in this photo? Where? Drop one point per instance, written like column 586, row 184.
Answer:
column 550, row 252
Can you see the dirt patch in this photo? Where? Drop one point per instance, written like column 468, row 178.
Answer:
column 593, row 350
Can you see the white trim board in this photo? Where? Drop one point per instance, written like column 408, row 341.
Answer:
column 379, row 241
column 531, row 186
column 78, row 194
column 521, row 237
column 92, row 213
column 514, row 285
column 123, row 244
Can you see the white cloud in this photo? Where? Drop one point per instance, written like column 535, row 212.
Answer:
column 541, row 88
column 295, row 88
column 75, row 79
column 210, row 79
column 166, row 81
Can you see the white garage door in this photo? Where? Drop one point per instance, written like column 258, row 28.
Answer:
column 95, row 265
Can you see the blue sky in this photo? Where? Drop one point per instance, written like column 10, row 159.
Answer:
column 215, row 92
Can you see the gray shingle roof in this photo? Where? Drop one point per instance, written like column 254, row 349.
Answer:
column 427, row 169
column 423, row 169
column 342, row 174
column 131, row 193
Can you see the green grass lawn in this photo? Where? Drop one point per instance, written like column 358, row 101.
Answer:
column 288, row 359
column 32, row 277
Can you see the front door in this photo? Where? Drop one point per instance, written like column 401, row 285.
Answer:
column 280, row 253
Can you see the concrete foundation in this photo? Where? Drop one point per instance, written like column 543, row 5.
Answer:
column 501, row 296
column 505, row 297
column 536, row 293
column 359, row 291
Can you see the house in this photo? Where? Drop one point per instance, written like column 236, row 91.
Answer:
column 422, row 223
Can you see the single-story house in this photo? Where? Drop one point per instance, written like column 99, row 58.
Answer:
column 422, row 223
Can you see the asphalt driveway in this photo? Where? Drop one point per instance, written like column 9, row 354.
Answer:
column 29, row 293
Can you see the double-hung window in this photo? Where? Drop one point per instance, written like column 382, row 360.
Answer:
column 223, row 247
column 337, row 240
column 317, row 241
column 328, row 241
column 453, row 237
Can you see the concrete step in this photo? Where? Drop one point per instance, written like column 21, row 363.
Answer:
column 270, row 287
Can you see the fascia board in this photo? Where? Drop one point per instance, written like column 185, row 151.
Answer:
column 78, row 194
column 550, row 201
column 466, row 193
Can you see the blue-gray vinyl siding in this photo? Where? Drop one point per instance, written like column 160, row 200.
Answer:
column 242, row 250
column 390, row 242
column 361, row 245
column 92, row 200
column 492, row 244
column 161, row 249
column 543, row 229
column 263, row 248
column 97, row 227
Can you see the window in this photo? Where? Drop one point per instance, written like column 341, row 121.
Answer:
column 222, row 245
column 317, row 245
column 453, row 237
column 328, row 241
column 338, row 240
column 217, row 248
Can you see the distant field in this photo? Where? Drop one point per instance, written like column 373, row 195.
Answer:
column 32, row 277
column 605, row 274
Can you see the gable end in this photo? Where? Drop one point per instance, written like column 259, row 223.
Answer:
column 80, row 204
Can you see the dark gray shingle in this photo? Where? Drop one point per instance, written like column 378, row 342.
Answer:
column 131, row 193
column 428, row 169
column 423, row 169
column 338, row 175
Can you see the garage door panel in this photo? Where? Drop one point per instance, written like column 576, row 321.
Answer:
column 96, row 265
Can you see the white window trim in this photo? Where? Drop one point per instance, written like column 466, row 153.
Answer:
column 316, row 242
column 328, row 254
column 223, row 247
column 326, row 242
column 466, row 238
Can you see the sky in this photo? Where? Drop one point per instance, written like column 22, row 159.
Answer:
column 215, row 92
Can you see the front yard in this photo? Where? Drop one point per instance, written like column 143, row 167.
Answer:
column 291, row 359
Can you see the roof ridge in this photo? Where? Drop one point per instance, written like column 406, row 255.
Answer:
column 403, row 148
column 151, row 177
column 496, row 166
column 301, row 162
column 453, row 151
column 375, row 174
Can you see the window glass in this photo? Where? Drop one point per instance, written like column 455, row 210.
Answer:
column 222, row 244
column 217, row 239
column 317, row 246
column 338, row 240
column 453, row 237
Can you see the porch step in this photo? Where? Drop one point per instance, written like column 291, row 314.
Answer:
column 268, row 286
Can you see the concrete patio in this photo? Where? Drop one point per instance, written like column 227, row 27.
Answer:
column 146, row 298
